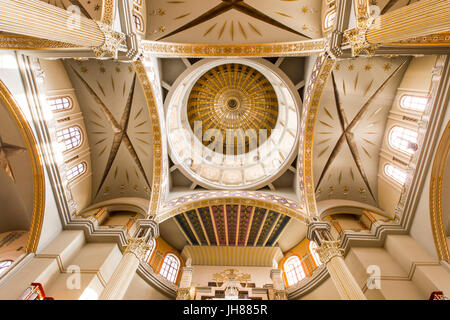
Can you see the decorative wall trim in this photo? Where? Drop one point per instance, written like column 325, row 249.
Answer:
column 18, row 42
column 108, row 10
column 296, row 48
column 36, row 165
column 313, row 94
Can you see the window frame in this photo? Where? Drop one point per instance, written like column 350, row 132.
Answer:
column 166, row 274
column 412, row 96
column 292, row 273
column 5, row 267
column 84, row 164
column 69, row 99
column 392, row 176
column 313, row 251
column 402, row 147
column 63, row 142
column 150, row 251
column 138, row 17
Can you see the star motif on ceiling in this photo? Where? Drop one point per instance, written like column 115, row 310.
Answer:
column 227, row 5
column 7, row 151
column 120, row 131
column 347, row 135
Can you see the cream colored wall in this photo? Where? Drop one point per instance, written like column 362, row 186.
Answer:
column 204, row 274
column 139, row 289
column 325, row 291
column 51, row 267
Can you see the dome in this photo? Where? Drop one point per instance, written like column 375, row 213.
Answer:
column 233, row 125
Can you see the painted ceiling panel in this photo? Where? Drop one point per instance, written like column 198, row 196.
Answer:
column 231, row 21
column 234, row 224
column 351, row 125
column 118, row 128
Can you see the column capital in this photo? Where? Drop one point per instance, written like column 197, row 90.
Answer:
column 356, row 37
column 328, row 250
column 137, row 246
column 111, row 45
column 183, row 294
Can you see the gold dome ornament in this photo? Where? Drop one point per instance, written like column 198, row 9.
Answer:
column 232, row 109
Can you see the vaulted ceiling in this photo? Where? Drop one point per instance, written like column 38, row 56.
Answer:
column 233, row 21
column 351, row 125
column 91, row 9
column 118, row 128
column 16, row 176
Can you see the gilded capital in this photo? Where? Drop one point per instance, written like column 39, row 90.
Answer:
column 183, row 294
column 328, row 250
column 138, row 247
column 356, row 37
column 111, row 45
column 279, row 295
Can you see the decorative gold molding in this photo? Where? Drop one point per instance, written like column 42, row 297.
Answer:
column 296, row 48
column 316, row 84
column 439, row 39
column 146, row 85
column 108, row 9
column 436, row 181
column 36, row 164
column 285, row 209
column 18, row 42
column 329, row 250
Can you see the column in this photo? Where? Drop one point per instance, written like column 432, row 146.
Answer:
column 419, row 19
column 125, row 271
column 331, row 255
column 279, row 290
column 135, row 251
column 38, row 19
column 184, row 290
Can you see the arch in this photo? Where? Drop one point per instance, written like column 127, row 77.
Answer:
column 395, row 173
column 61, row 103
column 440, row 164
column 150, row 251
column 403, row 139
column 329, row 20
column 413, row 102
column 294, row 271
column 71, row 137
column 76, row 171
column 170, row 267
column 36, row 165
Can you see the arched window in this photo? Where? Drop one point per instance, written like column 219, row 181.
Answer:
column 60, row 103
column 4, row 264
column 139, row 23
column 76, row 171
column 403, row 139
column 138, row 2
column 314, row 254
column 70, row 137
column 329, row 19
column 395, row 173
column 414, row 103
column 294, row 270
column 170, row 268
column 149, row 252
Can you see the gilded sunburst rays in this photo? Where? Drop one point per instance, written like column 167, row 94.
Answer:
column 234, row 99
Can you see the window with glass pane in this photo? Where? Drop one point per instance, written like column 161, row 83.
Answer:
column 170, row 267
column 315, row 255
column 70, row 138
column 414, row 103
column 4, row 265
column 138, row 22
column 60, row 103
column 294, row 270
column 403, row 139
column 395, row 173
column 148, row 254
column 76, row 171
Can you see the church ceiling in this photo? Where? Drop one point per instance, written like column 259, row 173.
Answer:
column 118, row 128
column 351, row 125
column 91, row 9
column 16, row 176
column 232, row 225
column 391, row 5
column 233, row 21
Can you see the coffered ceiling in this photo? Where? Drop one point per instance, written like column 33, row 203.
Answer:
column 233, row 21
column 118, row 128
column 351, row 125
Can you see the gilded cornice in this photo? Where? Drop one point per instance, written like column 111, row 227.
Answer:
column 297, row 48
column 108, row 11
column 316, row 84
column 36, row 164
column 17, row 42
column 436, row 212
